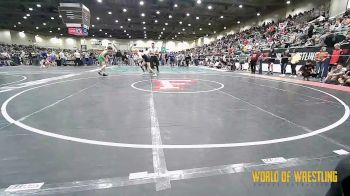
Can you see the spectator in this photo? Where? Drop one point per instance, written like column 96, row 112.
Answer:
column 296, row 57
column 284, row 62
column 253, row 60
column 336, row 57
column 62, row 58
column 336, row 74
column 321, row 63
column 346, row 77
column 77, row 58
column 307, row 70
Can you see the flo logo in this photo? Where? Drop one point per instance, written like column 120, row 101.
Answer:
column 169, row 85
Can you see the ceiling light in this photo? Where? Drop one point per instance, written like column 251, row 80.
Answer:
column 52, row 18
column 129, row 36
column 170, row 16
column 258, row 14
column 189, row 25
column 110, row 35
column 175, row 5
column 197, row 18
column 28, row 15
column 238, row 22
column 240, row 6
column 93, row 35
column 100, row 30
column 14, row 26
column 110, row 13
column 183, row 29
column 161, row 32
column 214, row 31
column 121, row 27
column 37, row 27
column 175, row 36
column 172, row 38
column 19, row 22
column 116, row 21
column 30, row 9
column 199, row 1
column 209, row 24
column 50, row 31
column 129, row 19
column 158, row 12
column 143, row 22
column 125, row 10
column 142, row 3
column 100, row 1
column 288, row 2
column 178, row 33
column 144, row 28
column 25, row 17
column 124, row 31
column 188, row 14
column 166, row 24
column 143, row 14
column 163, row 29
column 156, row 21
column 200, row 29
column 180, row 22
column 97, row 18
column 92, row 25
column 210, row 7
column 60, row 16
column 44, row 24
column 58, row 28
column 38, row 5
column 224, row 27
column 221, row 17
column 105, row 33
column 61, row 34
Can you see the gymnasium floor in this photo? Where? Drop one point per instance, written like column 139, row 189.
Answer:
column 187, row 132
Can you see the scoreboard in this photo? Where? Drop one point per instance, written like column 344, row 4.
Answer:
column 76, row 17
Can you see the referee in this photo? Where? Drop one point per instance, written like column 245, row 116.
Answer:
column 153, row 53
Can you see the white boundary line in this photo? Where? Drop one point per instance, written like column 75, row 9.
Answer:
column 159, row 164
column 23, row 78
column 190, row 146
column 175, row 175
column 180, row 92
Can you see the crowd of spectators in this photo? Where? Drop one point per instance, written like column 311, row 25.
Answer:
column 311, row 28
column 257, row 45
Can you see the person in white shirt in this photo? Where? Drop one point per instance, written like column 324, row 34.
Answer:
column 77, row 58
column 137, row 58
column 62, row 58
column 86, row 57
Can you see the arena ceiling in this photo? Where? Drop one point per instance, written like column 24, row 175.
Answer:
column 162, row 19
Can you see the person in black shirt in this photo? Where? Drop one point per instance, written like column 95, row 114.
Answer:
column 284, row 62
column 271, row 61
column 30, row 56
column 341, row 187
column 118, row 56
column 187, row 60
